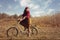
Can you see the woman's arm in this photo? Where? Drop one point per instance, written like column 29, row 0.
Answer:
column 24, row 17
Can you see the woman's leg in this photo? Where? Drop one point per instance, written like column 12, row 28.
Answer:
column 28, row 27
column 28, row 31
column 25, row 28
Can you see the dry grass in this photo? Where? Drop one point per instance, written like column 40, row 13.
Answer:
column 48, row 27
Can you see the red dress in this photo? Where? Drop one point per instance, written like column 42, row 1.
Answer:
column 25, row 22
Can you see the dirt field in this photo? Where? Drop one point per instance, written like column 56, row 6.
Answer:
column 43, row 32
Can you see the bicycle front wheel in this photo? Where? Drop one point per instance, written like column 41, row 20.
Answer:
column 12, row 32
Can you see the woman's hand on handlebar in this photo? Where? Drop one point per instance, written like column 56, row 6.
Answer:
column 20, row 19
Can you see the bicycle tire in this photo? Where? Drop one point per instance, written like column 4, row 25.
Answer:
column 34, row 30
column 12, row 30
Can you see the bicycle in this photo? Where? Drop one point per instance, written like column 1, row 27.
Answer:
column 13, row 31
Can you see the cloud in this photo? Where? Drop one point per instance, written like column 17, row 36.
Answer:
column 31, row 5
column 9, row 7
column 25, row 2
column 38, row 13
column 50, row 11
column 0, row 6
column 28, row 3
column 16, row 7
column 34, row 6
column 38, row 10
column 59, row 4
column 47, row 3
column 15, row 0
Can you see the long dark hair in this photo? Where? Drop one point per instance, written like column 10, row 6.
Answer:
column 25, row 12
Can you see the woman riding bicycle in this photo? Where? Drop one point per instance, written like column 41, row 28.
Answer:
column 26, row 22
column 26, row 19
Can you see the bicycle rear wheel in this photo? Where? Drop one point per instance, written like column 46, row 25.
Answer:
column 12, row 32
column 34, row 30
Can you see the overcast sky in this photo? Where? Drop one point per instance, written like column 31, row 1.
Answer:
column 37, row 7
